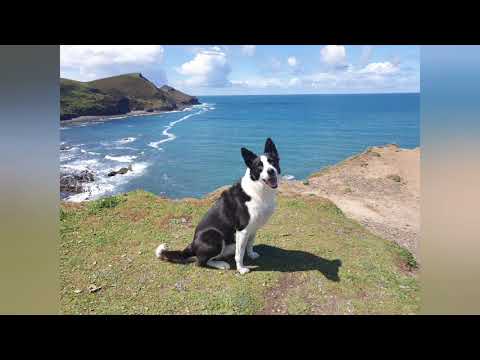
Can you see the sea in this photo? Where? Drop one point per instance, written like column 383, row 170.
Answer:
column 192, row 152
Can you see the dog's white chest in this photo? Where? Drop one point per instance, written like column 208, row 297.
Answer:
column 260, row 212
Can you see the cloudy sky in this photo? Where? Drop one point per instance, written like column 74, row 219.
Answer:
column 252, row 69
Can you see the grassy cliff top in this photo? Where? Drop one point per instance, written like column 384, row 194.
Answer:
column 133, row 84
column 117, row 95
column 313, row 260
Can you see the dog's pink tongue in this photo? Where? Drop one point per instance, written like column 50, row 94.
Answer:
column 272, row 182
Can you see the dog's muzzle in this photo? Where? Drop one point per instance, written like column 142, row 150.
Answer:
column 272, row 180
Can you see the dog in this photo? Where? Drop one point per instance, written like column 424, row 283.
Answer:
column 230, row 225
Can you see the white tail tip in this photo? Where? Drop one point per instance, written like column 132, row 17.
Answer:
column 161, row 248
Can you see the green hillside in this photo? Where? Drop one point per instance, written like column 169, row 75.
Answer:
column 314, row 260
column 117, row 95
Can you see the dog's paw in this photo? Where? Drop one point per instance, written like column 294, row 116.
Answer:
column 243, row 270
column 161, row 248
column 253, row 255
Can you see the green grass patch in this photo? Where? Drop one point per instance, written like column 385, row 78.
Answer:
column 105, row 203
column 314, row 260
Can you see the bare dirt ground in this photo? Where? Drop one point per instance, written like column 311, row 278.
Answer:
column 380, row 188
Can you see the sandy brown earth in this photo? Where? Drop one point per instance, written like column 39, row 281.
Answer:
column 380, row 188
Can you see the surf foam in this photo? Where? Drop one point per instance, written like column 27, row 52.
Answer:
column 126, row 140
column 124, row 158
column 170, row 136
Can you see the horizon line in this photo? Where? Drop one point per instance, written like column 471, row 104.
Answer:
column 375, row 93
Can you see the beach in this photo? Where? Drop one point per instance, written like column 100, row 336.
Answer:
column 98, row 118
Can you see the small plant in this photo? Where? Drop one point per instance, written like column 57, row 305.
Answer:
column 394, row 178
column 105, row 203
column 63, row 214
column 306, row 182
column 408, row 259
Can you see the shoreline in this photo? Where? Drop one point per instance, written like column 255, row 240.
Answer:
column 285, row 182
column 379, row 188
column 102, row 118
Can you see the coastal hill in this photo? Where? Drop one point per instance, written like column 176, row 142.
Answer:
column 118, row 95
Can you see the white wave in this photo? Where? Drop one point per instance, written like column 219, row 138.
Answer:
column 81, row 165
column 126, row 140
column 73, row 148
column 104, row 185
column 67, row 156
column 92, row 192
column 170, row 136
column 124, row 148
column 124, row 158
column 288, row 177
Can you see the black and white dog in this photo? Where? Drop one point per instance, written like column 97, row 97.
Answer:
column 229, row 227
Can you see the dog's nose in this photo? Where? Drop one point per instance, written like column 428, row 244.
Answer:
column 271, row 172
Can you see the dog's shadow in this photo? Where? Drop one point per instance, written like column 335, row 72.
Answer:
column 276, row 259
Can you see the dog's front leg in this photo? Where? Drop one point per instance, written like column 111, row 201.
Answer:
column 251, row 254
column 241, row 240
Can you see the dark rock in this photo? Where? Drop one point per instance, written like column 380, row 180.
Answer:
column 65, row 147
column 72, row 183
column 121, row 171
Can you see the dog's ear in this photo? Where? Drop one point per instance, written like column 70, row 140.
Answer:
column 270, row 148
column 248, row 157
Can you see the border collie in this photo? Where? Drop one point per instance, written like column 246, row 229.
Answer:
column 229, row 227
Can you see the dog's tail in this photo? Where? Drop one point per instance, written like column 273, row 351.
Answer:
column 179, row 257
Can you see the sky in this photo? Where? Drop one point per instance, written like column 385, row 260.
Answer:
column 253, row 69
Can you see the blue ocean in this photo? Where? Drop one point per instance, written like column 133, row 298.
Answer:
column 192, row 152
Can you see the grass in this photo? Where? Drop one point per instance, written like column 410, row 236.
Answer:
column 313, row 260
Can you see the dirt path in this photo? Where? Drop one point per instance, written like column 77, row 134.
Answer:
column 380, row 188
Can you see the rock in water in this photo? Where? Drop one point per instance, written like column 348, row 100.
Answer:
column 121, row 171
column 72, row 183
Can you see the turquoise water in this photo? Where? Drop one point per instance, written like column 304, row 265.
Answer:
column 193, row 152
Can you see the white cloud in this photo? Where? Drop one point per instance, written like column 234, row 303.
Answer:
column 261, row 83
column 380, row 68
column 85, row 62
column 333, row 54
column 366, row 54
column 293, row 82
column 208, row 68
column 375, row 77
column 248, row 50
column 292, row 61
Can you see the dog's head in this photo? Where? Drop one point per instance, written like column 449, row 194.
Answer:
column 266, row 167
